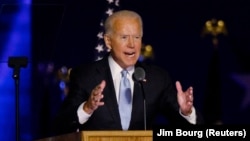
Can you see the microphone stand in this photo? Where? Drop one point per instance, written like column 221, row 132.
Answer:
column 144, row 105
column 16, row 63
column 16, row 78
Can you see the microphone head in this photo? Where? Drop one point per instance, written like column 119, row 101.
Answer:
column 17, row 62
column 139, row 74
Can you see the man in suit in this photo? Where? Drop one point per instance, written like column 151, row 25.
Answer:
column 93, row 99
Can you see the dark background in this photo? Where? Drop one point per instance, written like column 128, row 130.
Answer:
column 64, row 34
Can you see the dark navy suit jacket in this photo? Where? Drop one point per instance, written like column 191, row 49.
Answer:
column 160, row 96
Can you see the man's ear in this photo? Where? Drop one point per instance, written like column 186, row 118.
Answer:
column 107, row 41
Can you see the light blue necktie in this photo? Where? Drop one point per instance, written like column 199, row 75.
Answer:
column 125, row 101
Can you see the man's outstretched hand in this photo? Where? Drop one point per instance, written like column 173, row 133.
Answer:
column 94, row 100
column 185, row 99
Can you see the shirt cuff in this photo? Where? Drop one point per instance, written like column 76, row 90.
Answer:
column 190, row 118
column 82, row 115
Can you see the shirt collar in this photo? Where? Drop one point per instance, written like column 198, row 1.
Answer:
column 116, row 68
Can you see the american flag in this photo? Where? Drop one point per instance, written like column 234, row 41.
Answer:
column 101, row 49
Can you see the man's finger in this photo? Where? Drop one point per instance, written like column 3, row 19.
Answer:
column 99, row 88
column 102, row 84
column 178, row 86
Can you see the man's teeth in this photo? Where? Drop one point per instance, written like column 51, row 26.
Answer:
column 129, row 53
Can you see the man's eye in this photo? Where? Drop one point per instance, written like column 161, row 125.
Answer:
column 137, row 37
column 124, row 37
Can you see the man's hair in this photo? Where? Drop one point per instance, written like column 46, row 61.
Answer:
column 108, row 25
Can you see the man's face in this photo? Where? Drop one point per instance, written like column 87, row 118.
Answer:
column 125, row 41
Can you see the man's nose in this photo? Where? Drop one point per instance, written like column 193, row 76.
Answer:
column 131, row 42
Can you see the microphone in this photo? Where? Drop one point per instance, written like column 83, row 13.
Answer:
column 16, row 63
column 139, row 77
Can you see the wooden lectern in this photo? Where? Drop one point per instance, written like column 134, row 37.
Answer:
column 136, row 135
